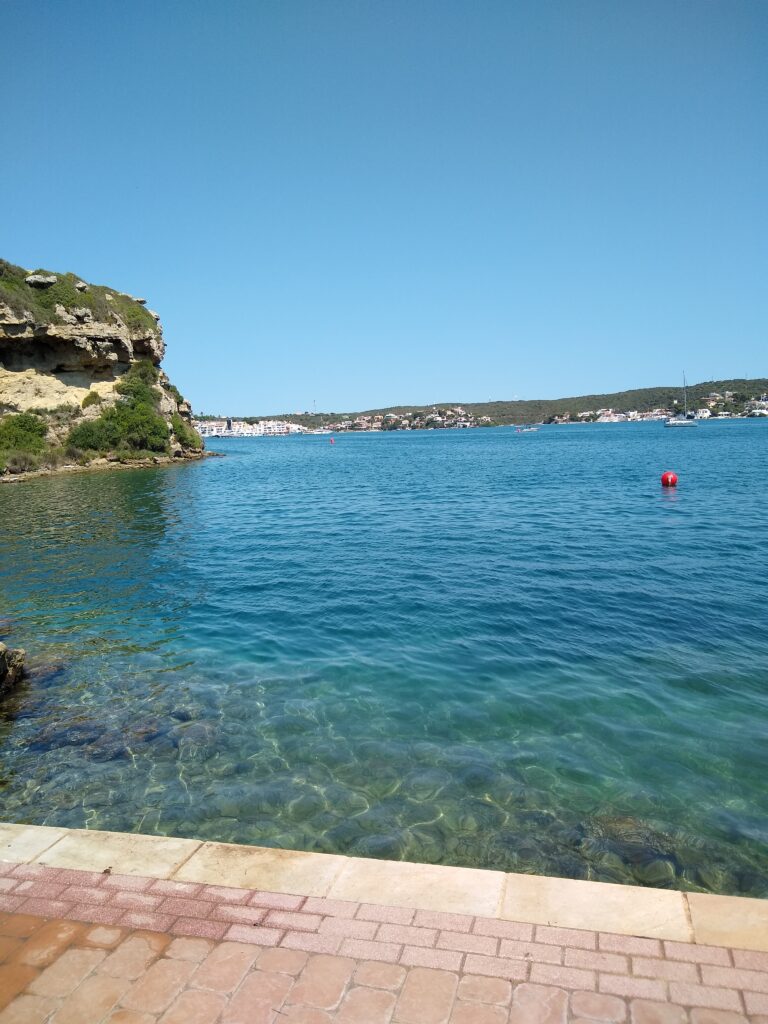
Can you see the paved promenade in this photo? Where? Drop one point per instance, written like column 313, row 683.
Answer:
column 132, row 929
column 82, row 947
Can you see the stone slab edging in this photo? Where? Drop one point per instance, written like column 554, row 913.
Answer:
column 532, row 899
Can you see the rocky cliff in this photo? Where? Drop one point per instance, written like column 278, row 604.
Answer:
column 68, row 353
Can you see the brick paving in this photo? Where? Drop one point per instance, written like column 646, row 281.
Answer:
column 80, row 947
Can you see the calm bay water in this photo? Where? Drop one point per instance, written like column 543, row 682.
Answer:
column 471, row 647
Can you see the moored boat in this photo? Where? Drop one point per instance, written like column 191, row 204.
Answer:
column 685, row 418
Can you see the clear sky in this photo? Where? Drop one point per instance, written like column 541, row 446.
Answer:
column 360, row 204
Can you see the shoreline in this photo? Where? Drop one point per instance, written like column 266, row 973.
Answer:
column 537, row 425
column 106, row 464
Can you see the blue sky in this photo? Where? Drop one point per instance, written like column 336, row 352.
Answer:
column 360, row 204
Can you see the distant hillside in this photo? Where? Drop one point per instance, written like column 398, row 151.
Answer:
column 538, row 409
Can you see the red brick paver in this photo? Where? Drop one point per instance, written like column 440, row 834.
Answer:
column 90, row 948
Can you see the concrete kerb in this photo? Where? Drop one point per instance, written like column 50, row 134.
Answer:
column 559, row 902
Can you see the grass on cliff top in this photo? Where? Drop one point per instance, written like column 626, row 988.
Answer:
column 42, row 302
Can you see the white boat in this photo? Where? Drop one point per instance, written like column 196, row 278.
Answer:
column 683, row 419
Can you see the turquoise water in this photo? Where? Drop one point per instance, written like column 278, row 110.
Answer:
column 472, row 647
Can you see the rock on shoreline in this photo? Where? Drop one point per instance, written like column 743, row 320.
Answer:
column 11, row 667
column 104, row 464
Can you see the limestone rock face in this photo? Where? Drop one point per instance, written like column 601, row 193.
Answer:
column 11, row 667
column 75, row 342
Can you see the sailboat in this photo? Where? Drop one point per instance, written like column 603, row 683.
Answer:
column 685, row 418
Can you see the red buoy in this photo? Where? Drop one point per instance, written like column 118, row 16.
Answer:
column 669, row 479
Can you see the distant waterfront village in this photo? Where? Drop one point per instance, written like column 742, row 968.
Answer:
column 714, row 405
column 431, row 419
column 725, row 405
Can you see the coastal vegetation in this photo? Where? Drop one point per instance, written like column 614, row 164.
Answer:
column 131, row 429
column 186, row 435
column 133, row 424
column 24, row 433
column 24, row 446
column 22, row 441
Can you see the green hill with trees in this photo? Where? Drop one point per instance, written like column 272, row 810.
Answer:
column 539, row 410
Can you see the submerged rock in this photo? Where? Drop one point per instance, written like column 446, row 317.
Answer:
column 67, row 734
column 647, row 852
column 305, row 806
column 11, row 667
column 659, row 872
column 182, row 714
column 425, row 784
column 42, row 673
column 381, row 847
column 194, row 739
column 109, row 747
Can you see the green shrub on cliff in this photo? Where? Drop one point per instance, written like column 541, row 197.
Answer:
column 92, row 398
column 138, row 384
column 22, row 433
column 22, row 442
column 186, row 435
column 142, row 369
column 124, row 426
column 133, row 424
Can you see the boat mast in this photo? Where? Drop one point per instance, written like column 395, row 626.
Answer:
column 685, row 395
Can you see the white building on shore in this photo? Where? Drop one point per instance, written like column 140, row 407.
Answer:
column 228, row 427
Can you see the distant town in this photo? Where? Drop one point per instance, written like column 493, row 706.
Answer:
column 750, row 400
column 432, row 419
column 727, row 405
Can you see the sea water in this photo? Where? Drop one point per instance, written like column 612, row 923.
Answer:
column 478, row 647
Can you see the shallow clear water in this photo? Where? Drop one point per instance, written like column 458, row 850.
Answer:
column 473, row 647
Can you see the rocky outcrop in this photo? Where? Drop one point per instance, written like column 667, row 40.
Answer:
column 76, row 340
column 64, row 342
column 11, row 667
column 41, row 280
